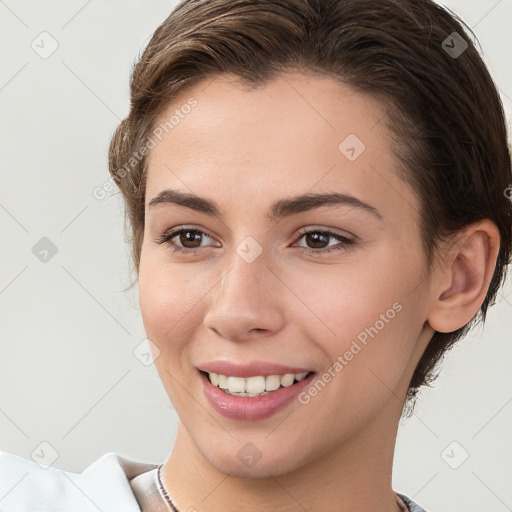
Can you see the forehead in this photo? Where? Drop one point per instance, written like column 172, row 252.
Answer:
column 283, row 112
column 296, row 133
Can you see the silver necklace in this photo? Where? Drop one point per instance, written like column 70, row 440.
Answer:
column 168, row 500
column 163, row 491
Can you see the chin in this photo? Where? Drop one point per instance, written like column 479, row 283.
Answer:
column 232, row 463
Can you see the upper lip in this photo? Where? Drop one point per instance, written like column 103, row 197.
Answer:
column 249, row 369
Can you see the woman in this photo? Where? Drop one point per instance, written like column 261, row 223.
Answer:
column 317, row 196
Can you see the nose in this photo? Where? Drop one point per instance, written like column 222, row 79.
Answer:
column 246, row 302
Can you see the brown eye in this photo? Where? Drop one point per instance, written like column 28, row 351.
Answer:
column 185, row 240
column 189, row 238
column 317, row 241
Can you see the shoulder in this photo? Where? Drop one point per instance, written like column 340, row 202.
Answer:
column 413, row 507
column 26, row 486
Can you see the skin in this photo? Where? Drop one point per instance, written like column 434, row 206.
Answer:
column 245, row 150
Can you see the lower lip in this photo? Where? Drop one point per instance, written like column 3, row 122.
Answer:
column 251, row 408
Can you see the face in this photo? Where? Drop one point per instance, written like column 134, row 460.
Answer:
column 247, row 278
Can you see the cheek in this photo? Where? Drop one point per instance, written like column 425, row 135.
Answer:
column 364, row 314
column 368, row 351
column 341, row 302
column 169, row 306
column 168, row 298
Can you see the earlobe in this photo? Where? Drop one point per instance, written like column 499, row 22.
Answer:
column 464, row 276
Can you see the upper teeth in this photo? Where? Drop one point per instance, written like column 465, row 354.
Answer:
column 258, row 384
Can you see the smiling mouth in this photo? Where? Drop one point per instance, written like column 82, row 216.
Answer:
column 259, row 385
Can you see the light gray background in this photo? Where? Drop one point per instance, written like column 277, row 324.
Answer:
column 68, row 374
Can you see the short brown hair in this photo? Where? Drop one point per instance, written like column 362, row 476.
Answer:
column 444, row 111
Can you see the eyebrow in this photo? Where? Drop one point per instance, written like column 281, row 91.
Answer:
column 281, row 208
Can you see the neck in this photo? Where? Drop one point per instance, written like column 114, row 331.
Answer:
column 355, row 476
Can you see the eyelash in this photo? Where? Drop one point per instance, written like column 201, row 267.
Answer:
column 169, row 235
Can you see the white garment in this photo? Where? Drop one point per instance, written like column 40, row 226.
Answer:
column 111, row 484
column 103, row 486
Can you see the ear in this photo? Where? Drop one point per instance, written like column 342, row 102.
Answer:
column 462, row 276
